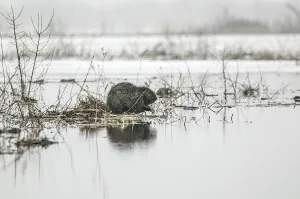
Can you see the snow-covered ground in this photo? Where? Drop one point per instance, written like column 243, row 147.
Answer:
column 146, row 68
column 173, row 47
column 218, row 42
column 78, row 69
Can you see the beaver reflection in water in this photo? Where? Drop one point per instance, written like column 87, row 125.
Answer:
column 126, row 97
column 130, row 134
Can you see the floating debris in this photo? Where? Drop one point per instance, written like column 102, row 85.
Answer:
column 297, row 98
column 67, row 81
column 35, row 142
column 39, row 81
column 211, row 95
column 190, row 108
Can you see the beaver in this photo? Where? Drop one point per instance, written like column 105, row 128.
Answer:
column 126, row 97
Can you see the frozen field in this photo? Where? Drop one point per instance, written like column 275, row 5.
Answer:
column 78, row 69
column 173, row 47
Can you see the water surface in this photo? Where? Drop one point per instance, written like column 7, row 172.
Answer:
column 256, row 156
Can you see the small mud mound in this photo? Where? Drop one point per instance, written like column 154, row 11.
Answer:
column 250, row 92
column 164, row 92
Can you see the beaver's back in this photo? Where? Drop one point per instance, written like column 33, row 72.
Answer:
column 125, row 97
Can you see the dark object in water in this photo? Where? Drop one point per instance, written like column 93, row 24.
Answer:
column 250, row 92
column 67, row 80
column 29, row 100
column 191, row 108
column 164, row 92
column 10, row 133
column 12, row 130
column 126, row 97
column 39, row 81
column 211, row 95
column 297, row 98
column 44, row 142
column 229, row 93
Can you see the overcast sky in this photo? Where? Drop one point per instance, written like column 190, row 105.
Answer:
column 141, row 15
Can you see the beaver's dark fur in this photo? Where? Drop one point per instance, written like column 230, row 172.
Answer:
column 126, row 97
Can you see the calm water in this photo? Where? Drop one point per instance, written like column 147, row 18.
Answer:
column 255, row 154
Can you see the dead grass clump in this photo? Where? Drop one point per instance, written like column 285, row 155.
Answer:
column 88, row 109
column 43, row 142
column 91, row 103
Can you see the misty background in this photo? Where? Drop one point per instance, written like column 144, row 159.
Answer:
column 90, row 17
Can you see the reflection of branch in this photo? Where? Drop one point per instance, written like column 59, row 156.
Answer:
column 71, row 156
column 98, row 159
column 18, row 158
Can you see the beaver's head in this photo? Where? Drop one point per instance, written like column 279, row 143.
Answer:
column 149, row 96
